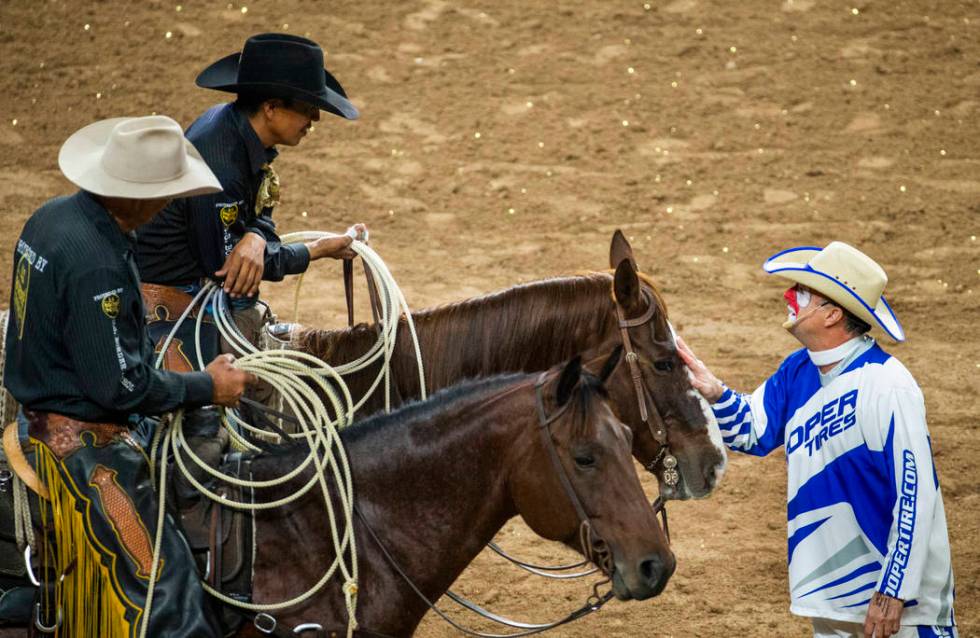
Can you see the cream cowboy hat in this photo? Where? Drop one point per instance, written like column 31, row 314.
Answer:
column 844, row 275
column 136, row 158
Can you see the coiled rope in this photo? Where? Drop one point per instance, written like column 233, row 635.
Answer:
column 296, row 377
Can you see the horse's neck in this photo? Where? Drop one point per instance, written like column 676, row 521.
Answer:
column 524, row 328
column 442, row 497
column 434, row 491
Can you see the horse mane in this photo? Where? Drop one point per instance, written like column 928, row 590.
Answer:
column 456, row 397
column 445, row 400
column 515, row 329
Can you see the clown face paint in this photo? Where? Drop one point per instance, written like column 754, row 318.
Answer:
column 796, row 300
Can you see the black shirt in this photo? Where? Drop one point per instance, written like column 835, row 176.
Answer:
column 76, row 339
column 191, row 238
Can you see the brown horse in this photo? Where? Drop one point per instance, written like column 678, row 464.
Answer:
column 436, row 480
column 534, row 326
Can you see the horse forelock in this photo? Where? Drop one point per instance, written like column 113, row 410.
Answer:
column 655, row 291
column 586, row 394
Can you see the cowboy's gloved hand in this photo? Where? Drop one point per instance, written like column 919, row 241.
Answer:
column 244, row 267
column 710, row 387
column 884, row 617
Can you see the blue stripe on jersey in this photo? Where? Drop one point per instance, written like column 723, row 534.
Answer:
column 742, row 430
column 726, row 422
column 728, row 409
column 802, row 533
column 837, row 483
column 789, row 389
column 860, row 571
column 860, row 604
column 860, row 589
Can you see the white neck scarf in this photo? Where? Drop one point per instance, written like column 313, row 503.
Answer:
column 841, row 352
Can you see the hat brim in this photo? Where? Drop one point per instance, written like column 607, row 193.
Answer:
column 80, row 160
column 793, row 264
column 223, row 76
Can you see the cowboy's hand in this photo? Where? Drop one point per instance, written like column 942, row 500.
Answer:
column 884, row 617
column 244, row 267
column 337, row 247
column 710, row 387
column 229, row 381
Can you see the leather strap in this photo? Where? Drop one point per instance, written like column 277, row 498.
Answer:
column 62, row 434
column 658, row 429
column 18, row 462
column 643, row 398
column 166, row 303
column 349, row 289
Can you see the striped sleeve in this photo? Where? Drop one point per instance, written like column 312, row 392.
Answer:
column 752, row 423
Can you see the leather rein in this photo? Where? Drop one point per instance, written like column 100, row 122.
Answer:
column 658, row 429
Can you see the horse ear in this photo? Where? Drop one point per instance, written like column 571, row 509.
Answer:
column 569, row 378
column 626, row 284
column 620, row 249
column 611, row 362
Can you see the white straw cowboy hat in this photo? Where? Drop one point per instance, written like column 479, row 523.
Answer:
column 844, row 275
column 136, row 158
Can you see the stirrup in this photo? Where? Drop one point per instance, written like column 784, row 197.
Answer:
column 44, row 629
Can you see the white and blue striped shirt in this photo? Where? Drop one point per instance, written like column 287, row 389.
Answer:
column 864, row 508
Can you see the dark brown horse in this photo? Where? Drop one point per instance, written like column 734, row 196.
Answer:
column 534, row 326
column 436, row 480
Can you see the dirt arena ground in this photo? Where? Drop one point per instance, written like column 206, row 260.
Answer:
column 505, row 141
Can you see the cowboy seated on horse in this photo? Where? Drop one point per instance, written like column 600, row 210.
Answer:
column 80, row 362
column 281, row 87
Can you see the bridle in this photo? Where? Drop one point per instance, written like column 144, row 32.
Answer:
column 594, row 548
column 658, row 429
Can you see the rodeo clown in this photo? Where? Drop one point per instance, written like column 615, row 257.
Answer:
column 80, row 362
column 868, row 546
column 281, row 88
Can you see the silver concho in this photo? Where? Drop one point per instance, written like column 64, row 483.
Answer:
column 670, row 474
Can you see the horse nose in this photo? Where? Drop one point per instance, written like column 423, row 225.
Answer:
column 655, row 572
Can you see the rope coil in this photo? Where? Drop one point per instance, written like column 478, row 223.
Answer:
column 300, row 380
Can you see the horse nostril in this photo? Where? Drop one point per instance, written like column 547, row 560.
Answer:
column 651, row 569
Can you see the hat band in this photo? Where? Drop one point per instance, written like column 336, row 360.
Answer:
column 808, row 268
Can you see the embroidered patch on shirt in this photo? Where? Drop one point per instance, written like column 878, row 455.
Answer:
column 228, row 213
column 22, row 282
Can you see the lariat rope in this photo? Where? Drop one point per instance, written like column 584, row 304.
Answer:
column 296, row 376
column 393, row 305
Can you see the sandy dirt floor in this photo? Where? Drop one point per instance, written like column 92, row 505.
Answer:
column 505, row 141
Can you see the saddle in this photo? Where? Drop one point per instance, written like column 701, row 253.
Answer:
column 221, row 538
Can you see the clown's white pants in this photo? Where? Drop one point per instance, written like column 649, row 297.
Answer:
column 826, row 628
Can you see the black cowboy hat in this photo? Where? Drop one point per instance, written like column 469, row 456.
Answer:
column 280, row 65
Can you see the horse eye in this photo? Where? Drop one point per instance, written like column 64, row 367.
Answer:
column 584, row 460
column 665, row 365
